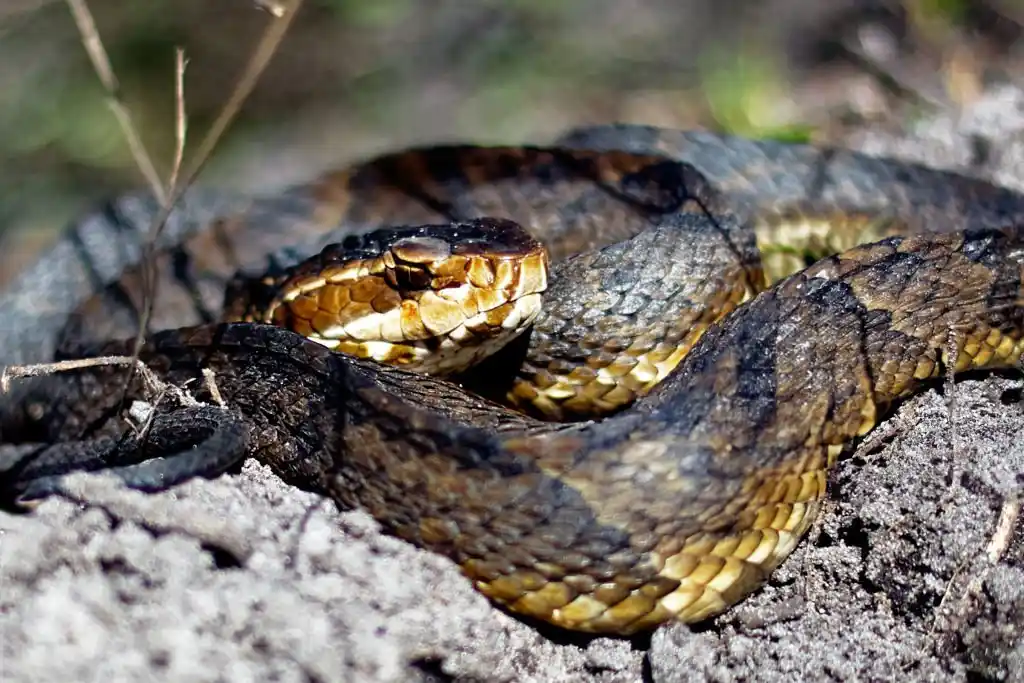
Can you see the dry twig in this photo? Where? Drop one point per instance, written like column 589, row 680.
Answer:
column 153, row 384
column 265, row 49
column 168, row 194
column 950, row 617
column 210, row 382
column 180, row 120
column 275, row 8
column 105, row 72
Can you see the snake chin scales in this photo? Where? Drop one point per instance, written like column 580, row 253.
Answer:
column 655, row 346
column 458, row 347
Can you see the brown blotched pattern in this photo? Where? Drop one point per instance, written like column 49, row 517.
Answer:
column 671, row 509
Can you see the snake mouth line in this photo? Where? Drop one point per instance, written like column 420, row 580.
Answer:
column 431, row 299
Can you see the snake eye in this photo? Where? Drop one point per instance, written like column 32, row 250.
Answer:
column 403, row 277
column 409, row 259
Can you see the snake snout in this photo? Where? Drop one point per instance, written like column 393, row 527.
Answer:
column 434, row 299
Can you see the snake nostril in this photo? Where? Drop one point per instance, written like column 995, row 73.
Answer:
column 36, row 411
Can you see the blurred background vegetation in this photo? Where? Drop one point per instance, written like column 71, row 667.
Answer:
column 356, row 77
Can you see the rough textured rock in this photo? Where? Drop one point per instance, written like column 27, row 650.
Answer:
column 916, row 570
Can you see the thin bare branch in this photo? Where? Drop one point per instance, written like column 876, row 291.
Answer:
column 94, row 46
column 261, row 56
column 283, row 12
column 1001, row 537
column 950, row 616
column 154, row 386
column 180, row 120
column 275, row 8
column 12, row 372
column 138, row 149
column 210, row 382
column 17, row 371
column 105, row 72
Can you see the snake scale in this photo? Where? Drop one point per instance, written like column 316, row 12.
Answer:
column 704, row 467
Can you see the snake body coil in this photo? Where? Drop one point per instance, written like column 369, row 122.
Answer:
column 672, row 508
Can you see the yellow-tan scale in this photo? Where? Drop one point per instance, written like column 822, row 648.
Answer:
column 701, row 575
column 789, row 238
column 417, row 305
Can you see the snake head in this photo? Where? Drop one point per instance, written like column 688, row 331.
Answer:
column 430, row 298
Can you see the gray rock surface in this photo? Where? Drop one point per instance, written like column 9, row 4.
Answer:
column 914, row 572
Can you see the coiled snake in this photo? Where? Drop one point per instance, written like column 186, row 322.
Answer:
column 685, row 458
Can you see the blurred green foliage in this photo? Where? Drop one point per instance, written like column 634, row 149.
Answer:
column 356, row 76
column 744, row 91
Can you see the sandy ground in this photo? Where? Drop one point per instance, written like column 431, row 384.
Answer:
column 915, row 571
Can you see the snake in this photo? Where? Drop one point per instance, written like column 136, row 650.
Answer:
column 721, row 319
